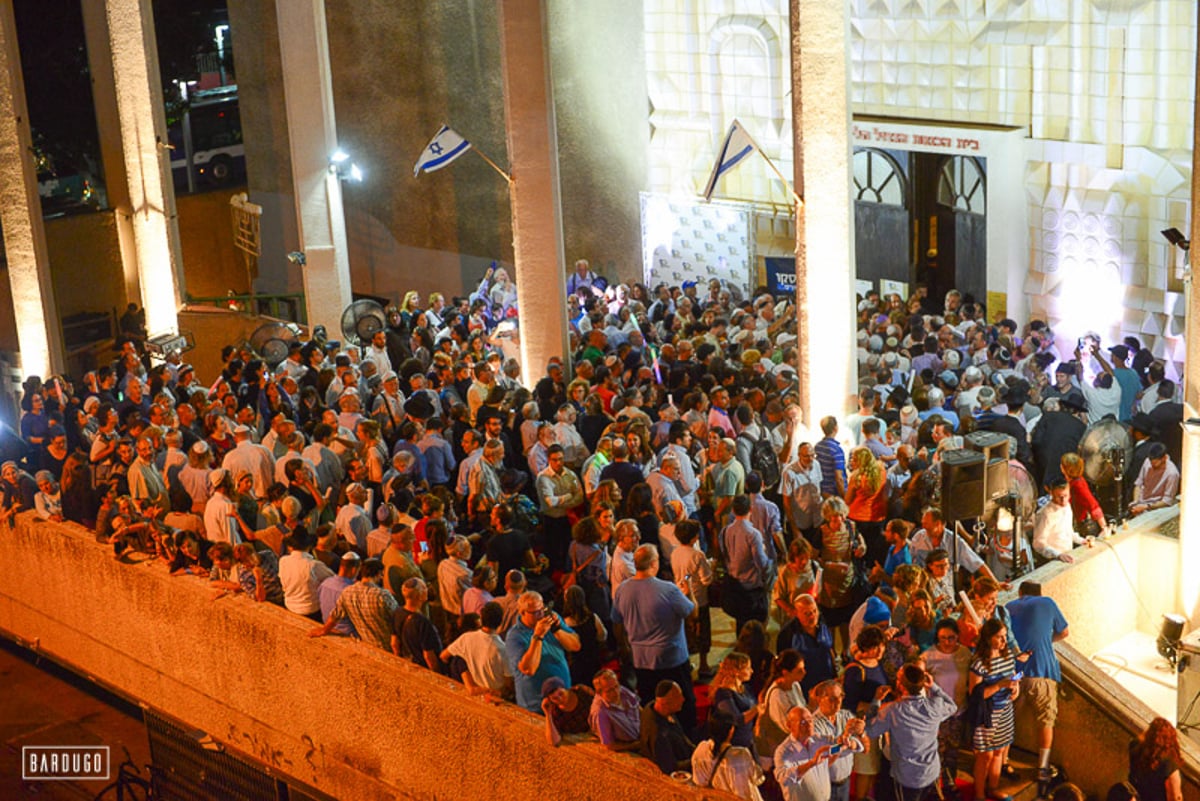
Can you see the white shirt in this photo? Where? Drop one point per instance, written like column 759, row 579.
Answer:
column 483, row 652
column 301, row 575
column 814, row 783
column 218, row 523
column 921, row 544
column 1102, row 402
column 685, row 561
column 327, row 467
column 353, row 525
column 620, row 569
column 801, row 491
column 380, row 356
column 253, row 459
column 1053, row 532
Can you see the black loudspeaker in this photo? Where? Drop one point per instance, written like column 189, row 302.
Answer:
column 963, row 474
column 994, row 447
column 992, row 444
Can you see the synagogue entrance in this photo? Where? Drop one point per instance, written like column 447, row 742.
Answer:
column 921, row 218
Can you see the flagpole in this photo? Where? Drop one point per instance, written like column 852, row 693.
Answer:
column 492, row 164
column 786, row 183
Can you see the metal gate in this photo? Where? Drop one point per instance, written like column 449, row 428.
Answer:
column 188, row 766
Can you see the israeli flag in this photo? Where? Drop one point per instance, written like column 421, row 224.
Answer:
column 444, row 148
column 738, row 145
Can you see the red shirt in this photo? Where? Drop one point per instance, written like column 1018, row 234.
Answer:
column 1083, row 502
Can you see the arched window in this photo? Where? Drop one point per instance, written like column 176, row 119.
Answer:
column 962, row 185
column 878, row 178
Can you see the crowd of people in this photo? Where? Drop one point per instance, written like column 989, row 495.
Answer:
column 566, row 546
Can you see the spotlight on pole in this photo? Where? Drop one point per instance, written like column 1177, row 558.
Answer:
column 1176, row 238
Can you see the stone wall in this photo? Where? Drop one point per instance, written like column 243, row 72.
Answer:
column 335, row 714
column 1101, row 596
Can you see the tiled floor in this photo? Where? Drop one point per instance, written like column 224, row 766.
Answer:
column 1135, row 664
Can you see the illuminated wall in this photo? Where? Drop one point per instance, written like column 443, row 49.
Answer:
column 1103, row 88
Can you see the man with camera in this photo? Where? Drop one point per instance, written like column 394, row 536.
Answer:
column 536, row 647
column 913, row 719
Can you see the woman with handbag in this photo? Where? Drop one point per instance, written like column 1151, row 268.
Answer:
column 733, row 697
column 720, row 764
column 589, row 564
column 1085, row 509
column 840, row 547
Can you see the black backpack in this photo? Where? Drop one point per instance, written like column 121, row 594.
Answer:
column 765, row 462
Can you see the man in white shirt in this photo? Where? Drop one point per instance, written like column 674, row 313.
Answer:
column 353, row 524
column 867, row 399
column 301, row 575
column 800, row 486
column 802, row 761
column 377, row 352
column 454, row 575
column 933, row 535
column 1103, row 395
column 219, row 511
column 327, row 467
column 253, row 459
column 487, row 671
column 621, row 567
column 1053, row 530
column 295, row 450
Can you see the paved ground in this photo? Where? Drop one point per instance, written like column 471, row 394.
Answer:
column 42, row 704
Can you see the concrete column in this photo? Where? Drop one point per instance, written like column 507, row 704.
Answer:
column 312, row 135
column 108, row 126
column 143, row 124
column 536, row 205
column 824, row 220
column 38, row 331
column 1189, row 484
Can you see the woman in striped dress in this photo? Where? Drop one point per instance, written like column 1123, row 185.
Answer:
column 992, row 676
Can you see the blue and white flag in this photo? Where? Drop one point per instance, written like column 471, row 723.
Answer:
column 738, row 145
column 444, row 148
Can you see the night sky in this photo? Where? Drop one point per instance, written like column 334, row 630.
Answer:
column 57, row 81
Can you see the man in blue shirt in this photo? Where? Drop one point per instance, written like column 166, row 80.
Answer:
column 832, row 460
column 747, row 561
column 913, row 721
column 648, row 615
column 536, row 647
column 809, row 635
column 1037, row 623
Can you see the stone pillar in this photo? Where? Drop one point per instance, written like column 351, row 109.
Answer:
column 1189, row 484
column 143, row 134
column 312, row 136
column 536, row 205
column 824, row 220
column 38, row 331
column 108, row 127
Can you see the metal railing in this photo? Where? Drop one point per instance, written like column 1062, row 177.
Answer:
column 288, row 306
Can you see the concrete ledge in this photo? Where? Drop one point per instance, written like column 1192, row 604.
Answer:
column 1101, row 595
column 337, row 715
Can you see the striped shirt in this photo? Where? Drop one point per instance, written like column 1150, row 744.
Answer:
column 832, row 460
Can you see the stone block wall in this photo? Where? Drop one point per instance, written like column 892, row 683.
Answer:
column 334, row 714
